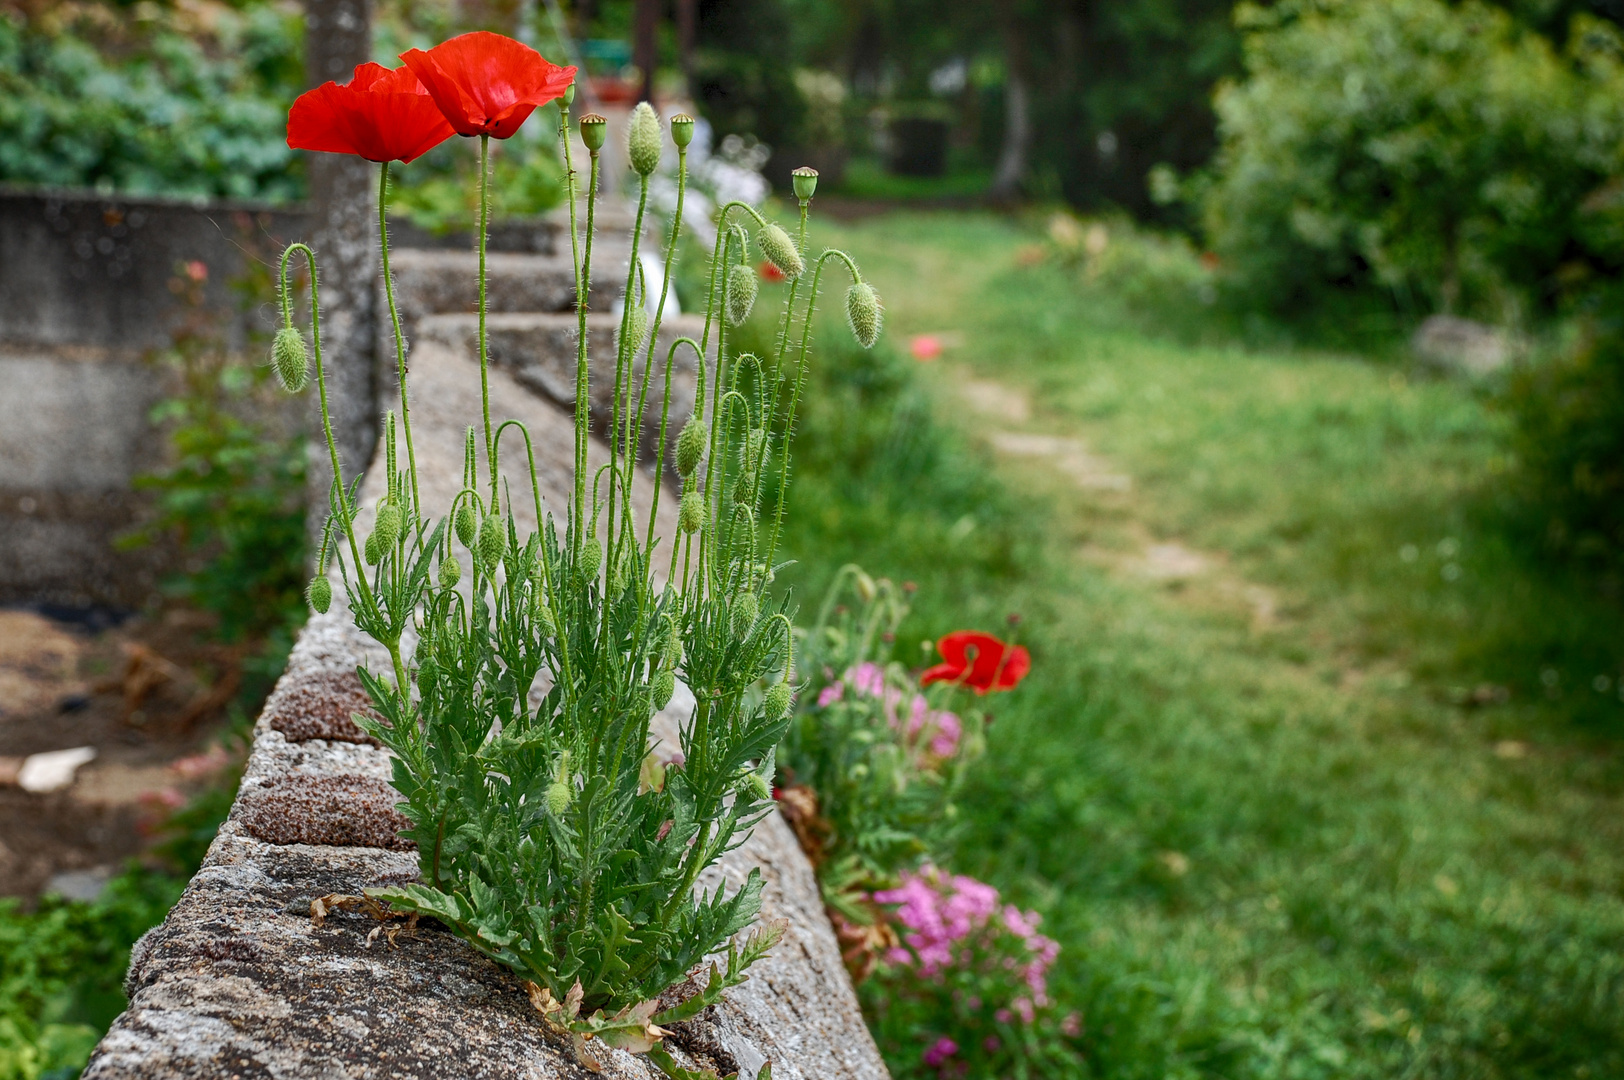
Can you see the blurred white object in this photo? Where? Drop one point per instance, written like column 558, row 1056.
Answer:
column 714, row 179
column 53, row 770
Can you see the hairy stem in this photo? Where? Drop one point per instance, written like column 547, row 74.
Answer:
column 400, row 339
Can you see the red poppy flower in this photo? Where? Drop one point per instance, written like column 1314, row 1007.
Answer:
column 770, row 273
column 979, row 661
column 380, row 115
column 487, row 84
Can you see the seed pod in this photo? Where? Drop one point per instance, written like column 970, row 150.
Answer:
column 636, row 328
column 662, row 687
column 863, row 313
column 740, row 295
column 492, row 541
column 691, row 517
column 643, row 140
column 690, row 446
column 569, row 95
column 450, row 572
column 320, row 593
column 289, row 358
column 780, row 250
column 805, row 181
column 776, row 702
column 467, row 524
column 386, row 526
column 369, row 550
column 594, row 129
column 558, row 797
column 745, row 609
column 682, row 130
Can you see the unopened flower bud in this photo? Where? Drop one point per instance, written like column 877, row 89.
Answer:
column 643, row 140
column 320, row 593
column 569, row 95
column 863, row 312
column 776, row 702
column 745, row 609
column 291, row 361
column 636, row 328
column 866, row 589
column 594, row 130
column 740, row 295
column 691, row 517
column 492, row 541
column 690, row 446
column 450, row 572
column 805, row 181
column 467, row 524
column 780, row 251
column 386, row 526
column 682, row 130
column 671, row 651
column 544, row 620
column 662, row 687
column 591, row 556
column 755, row 444
column 369, row 550
column 757, row 785
column 558, row 797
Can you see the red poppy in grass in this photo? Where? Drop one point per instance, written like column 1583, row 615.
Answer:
column 380, row 115
column 487, row 84
column 979, row 661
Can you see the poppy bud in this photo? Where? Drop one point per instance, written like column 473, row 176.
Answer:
column 636, row 328
column 866, row 588
column 805, row 181
column 369, row 550
column 558, row 797
column 386, row 527
column 450, row 572
column 467, row 524
column 662, row 688
column 776, row 703
column 594, row 130
column 320, row 593
column 740, row 295
column 544, row 620
column 755, row 444
column 671, row 652
column 745, row 609
column 492, row 541
column 290, row 359
column 863, row 312
column 690, row 446
column 691, row 516
column 591, row 556
column 643, row 140
column 757, row 785
column 569, row 95
column 744, row 491
column 780, row 251
column 682, row 130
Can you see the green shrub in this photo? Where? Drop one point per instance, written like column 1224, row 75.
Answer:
column 1433, row 152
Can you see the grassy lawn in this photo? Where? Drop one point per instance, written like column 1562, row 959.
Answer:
column 1317, row 773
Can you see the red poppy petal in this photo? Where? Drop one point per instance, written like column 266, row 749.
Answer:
column 486, row 83
column 1015, row 668
column 940, row 673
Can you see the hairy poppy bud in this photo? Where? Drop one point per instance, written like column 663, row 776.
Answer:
column 467, row 524
column 757, row 785
column 643, row 140
column 558, row 797
column 591, row 556
column 776, row 703
column 450, row 572
column 682, row 130
column 386, row 526
column 671, row 650
column 780, row 251
column 662, row 687
column 690, row 446
column 755, row 444
column 369, row 550
column 492, row 541
column 863, row 312
column 740, row 294
column 691, row 517
column 544, row 620
column 594, row 130
column 636, row 328
column 745, row 609
column 320, row 593
column 805, row 181
column 291, row 361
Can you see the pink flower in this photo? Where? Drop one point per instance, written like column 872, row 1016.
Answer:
column 831, row 694
column 868, row 679
column 948, row 730
column 943, row 1049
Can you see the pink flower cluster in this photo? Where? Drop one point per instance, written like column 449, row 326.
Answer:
column 945, row 914
column 868, row 680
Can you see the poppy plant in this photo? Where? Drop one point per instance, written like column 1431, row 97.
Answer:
column 487, row 84
column 379, row 114
column 979, row 661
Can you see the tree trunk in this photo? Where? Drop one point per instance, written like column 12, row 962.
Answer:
column 1012, row 159
column 645, row 40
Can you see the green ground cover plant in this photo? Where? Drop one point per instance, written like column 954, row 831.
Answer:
column 1372, row 835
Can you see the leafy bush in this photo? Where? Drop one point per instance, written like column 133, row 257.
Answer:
column 1434, row 152
column 145, row 100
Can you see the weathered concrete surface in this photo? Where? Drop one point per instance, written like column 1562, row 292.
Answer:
column 238, row 982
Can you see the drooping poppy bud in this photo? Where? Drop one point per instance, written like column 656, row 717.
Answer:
column 745, row 609
column 591, row 557
column 558, row 797
column 758, row 787
column 386, row 526
column 662, row 687
column 740, row 295
column 691, row 517
column 682, row 130
column 863, row 313
column 636, row 328
column 320, row 593
column 776, row 702
column 690, row 446
column 450, row 572
column 290, row 359
column 492, row 541
column 780, row 251
column 467, row 524
column 755, row 444
column 643, row 140
column 594, row 130
column 805, row 181
column 671, row 650
column 369, row 550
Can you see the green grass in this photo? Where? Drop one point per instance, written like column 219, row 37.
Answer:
column 1285, row 847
